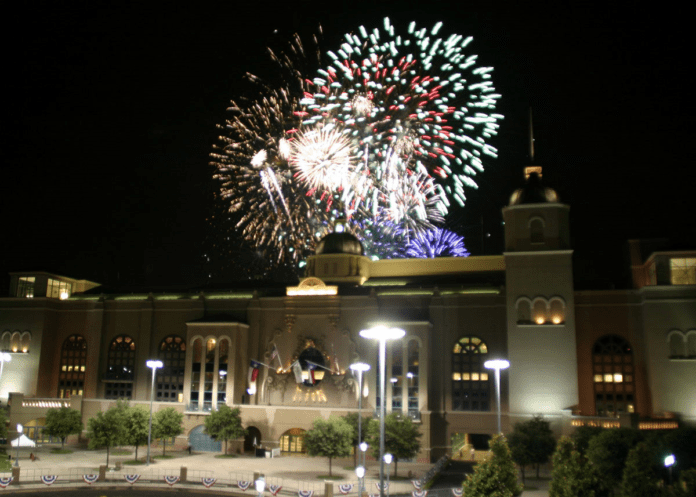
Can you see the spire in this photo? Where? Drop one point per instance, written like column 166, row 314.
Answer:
column 531, row 168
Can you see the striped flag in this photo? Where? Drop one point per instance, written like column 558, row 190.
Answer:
column 254, row 371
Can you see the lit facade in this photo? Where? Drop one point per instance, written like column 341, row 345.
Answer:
column 577, row 357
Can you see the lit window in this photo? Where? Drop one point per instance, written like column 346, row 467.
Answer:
column 25, row 286
column 618, row 378
column 73, row 359
column 683, row 270
column 170, row 380
column 471, row 393
column 598, row 378
column 608, row 378
column 57, row 289
column 120, row 368
column 614, row 389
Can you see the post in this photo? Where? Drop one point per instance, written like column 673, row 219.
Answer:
column 20, row 430
column 154, row 365
column 497, row 365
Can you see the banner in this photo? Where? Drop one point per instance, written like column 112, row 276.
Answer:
column 171, row 480
column 131, row 478
column 208, row 482
column 89, row 479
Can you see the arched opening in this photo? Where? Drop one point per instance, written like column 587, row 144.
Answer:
column 612, row 361
column 524, row 311
column 252, row 439
column 470, row 385
column 170, row 380
column 557, row 310
column 691, row 344
column 120, row 369
column 292, row 441
column 536, row 230
column 676, row 344
column 73, row 362
column 313, row 366
column 201, row 442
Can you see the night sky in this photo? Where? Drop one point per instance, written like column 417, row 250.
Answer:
column 111, row 110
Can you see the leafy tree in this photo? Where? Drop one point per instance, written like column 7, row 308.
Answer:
column 532, row 442
column 608, row 452
column 401, row 437
column 224, row 424
column 107, row 429
column 329, row 438
column 496, row 476
column 582, row 436
column 137, row 427
column 3, row 423
column 62, row 422
column 352, row 420
column 640, row 478
column 167, row 424
column 573, row 475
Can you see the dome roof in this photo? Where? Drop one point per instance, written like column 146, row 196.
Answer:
column 534, row 193
column 339, row 243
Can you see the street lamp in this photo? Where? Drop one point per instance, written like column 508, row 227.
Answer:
column 154, row 365
column 669, row 462
column 260, row 485
column 360, row 472
column 20, row 430
column 497, row 364
column 360, row 368
column 382, row 333
column 388, row 459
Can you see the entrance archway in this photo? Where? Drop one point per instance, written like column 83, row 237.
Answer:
column 253, row 434
column 201, row 442
column 292, row 441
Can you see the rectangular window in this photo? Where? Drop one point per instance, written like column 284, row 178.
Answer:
column 25, row 286
column 57, row 289
column 683, row 270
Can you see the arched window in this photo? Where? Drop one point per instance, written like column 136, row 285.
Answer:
column 557, row 310
column 614, row 387
column 536, row 230
column 524, row 310
column 25, row 340
column 6, row 341
column 196, row 374
column 16, row 341
column 539, row 311
column 691, row 344
column 73, row 361
column 470, row 385
column 293, row 441
column 397, row 376
column 170, row 379
column 677, row 345
column 222, row 371
column 120, row 369
column 209, row 377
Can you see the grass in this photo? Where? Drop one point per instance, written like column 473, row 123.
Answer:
column 163, row 457
column 5, row 465
column 225, row 456
column 330, row 477
column 134, row 462
column 61, row 451
column 120, row 452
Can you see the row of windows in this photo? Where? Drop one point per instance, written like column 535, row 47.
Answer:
column 15, row 341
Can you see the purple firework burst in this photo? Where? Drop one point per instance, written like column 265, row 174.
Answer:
column 437, row 242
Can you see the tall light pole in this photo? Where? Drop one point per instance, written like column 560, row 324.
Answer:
column 669, row 462
column 388, row 459
column 382, row 334
column 360, row 368
column 497, row 364
column 154, row 365
column 20, row 430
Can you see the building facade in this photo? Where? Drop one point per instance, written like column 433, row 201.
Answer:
column 576, row 357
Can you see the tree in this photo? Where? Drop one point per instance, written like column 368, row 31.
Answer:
column 329, row 438
column 608, row 452
column 167, row 424
column 352, row 420
column 224, row 424
column 401, row 437
column 3, row 423
column 137, row 427
column 532, row 442
column 496, row 476
column 62, row 422
column 582, row 436
column 573, row 475
column 107, row 429
column 640, row 478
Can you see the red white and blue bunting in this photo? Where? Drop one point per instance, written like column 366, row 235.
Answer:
column 243, row 485
column 49, row 479
column 417, row 484
column 345, row 488
column 386, row 485
column 131, row 478
column 5, row 480
column 419, row 493
column 457, row 492
column 89, row 479
column 274, row 489
column 208, row 482
column 171, row 480
column 305, row 493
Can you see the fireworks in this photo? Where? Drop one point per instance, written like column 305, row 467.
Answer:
column 391, row 129
column 437, row 243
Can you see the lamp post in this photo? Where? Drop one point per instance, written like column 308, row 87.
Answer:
column 360, row 473
column 382, row 334
column 360, row 368
column 20, row 430
column 154, row 365
column 669, row 462
column 388, row 459
column 497, row 364
column 260, row 485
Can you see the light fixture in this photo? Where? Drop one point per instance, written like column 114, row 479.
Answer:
column 497, row 365
column 670, row 461
column 154, row 365
column 540, row 320
column 260, row 485
column 382, row 334
column 360, row 368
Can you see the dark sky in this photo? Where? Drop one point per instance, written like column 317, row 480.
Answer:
column 111, row 110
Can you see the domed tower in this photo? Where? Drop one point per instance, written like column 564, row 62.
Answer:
column 339, row 258
column 540, row 301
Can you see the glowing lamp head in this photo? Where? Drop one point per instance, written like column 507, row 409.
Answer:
column 360, row 471
column 251, row 390
column 496, row 364
column 20, row 428
column 669, row 460
column 394, row 380
column 5, row 357
column 388, row 458
column 360, row 366
column 154, row 365
column 540, row 320
column 260, row 484
column 556, row 320
column 363, row 446
column 383, row 333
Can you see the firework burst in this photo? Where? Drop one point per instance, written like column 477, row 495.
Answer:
column 437, row 243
